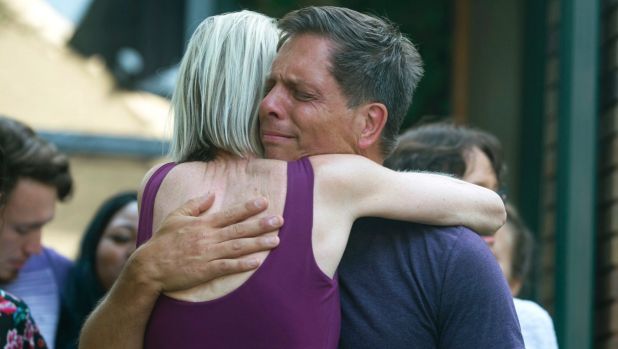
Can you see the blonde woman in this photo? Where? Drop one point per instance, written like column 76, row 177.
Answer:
column 291, row 300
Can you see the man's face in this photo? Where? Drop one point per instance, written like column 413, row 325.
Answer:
column 304, row 111
column 29, row 207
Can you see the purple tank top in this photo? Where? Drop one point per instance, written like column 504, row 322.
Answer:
column 287, row 303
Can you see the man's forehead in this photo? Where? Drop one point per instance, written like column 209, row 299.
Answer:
column 303, row 59
column 304, row 43
column 290, row 78
column 30, row 194
column 31, row 186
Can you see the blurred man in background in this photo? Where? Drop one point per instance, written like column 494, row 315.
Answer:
column 37, row 176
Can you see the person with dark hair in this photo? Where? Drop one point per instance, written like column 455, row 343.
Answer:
column 464, row 152
column 419, row 286
column 476, row 156
column 107, row 243
column 17, row 328
column 30, row 157
column 37, row 175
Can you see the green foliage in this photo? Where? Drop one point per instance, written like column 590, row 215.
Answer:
column 428, row 24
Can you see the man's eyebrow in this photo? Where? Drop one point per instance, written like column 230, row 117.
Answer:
column 292, row 82
column 289, row 81
column 34, row 225
column 30, row 226
column 298, row 84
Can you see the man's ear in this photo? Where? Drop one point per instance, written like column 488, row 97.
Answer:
column 374, row 119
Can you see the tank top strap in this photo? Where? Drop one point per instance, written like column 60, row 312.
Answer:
column 298, row 207
column 144, row 230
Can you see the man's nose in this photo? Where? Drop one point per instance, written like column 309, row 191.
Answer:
column 33, row 243
column 272, row 104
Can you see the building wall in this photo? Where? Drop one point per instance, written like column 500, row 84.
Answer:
column 495, row 78
column 606, row 307
column 52, row 89
column 607, row 261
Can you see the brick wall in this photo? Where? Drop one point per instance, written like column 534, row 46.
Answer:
column 547, row 240
column 607, row 261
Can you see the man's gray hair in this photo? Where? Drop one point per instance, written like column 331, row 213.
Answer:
column 220, row 85
column 372, row 60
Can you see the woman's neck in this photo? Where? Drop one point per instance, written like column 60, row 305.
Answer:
column 223, row 155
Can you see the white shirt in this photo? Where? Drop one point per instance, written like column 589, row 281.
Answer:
column 537, row 327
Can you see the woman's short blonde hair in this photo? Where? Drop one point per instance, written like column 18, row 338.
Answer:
column 220, row 86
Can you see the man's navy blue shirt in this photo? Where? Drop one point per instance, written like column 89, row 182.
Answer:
column 407, row 285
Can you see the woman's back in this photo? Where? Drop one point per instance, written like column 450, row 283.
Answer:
column 232, row 182
column 287, row 302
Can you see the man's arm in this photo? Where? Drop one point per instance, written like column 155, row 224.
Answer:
column 476, row 306
column 190, row 248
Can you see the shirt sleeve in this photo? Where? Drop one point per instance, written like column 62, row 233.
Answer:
column 17, row 328
column 476, row 306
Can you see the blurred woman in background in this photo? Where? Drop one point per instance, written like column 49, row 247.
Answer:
column 108, row 242
column 476, row 156
column 17, row 327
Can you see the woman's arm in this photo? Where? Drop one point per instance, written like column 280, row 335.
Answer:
column 364, row 188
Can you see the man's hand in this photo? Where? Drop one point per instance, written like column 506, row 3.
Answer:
column 190, row 248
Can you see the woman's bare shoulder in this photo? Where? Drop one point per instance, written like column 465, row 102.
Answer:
column 146, row 178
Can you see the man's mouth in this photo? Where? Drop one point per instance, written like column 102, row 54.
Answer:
column 272, row 136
